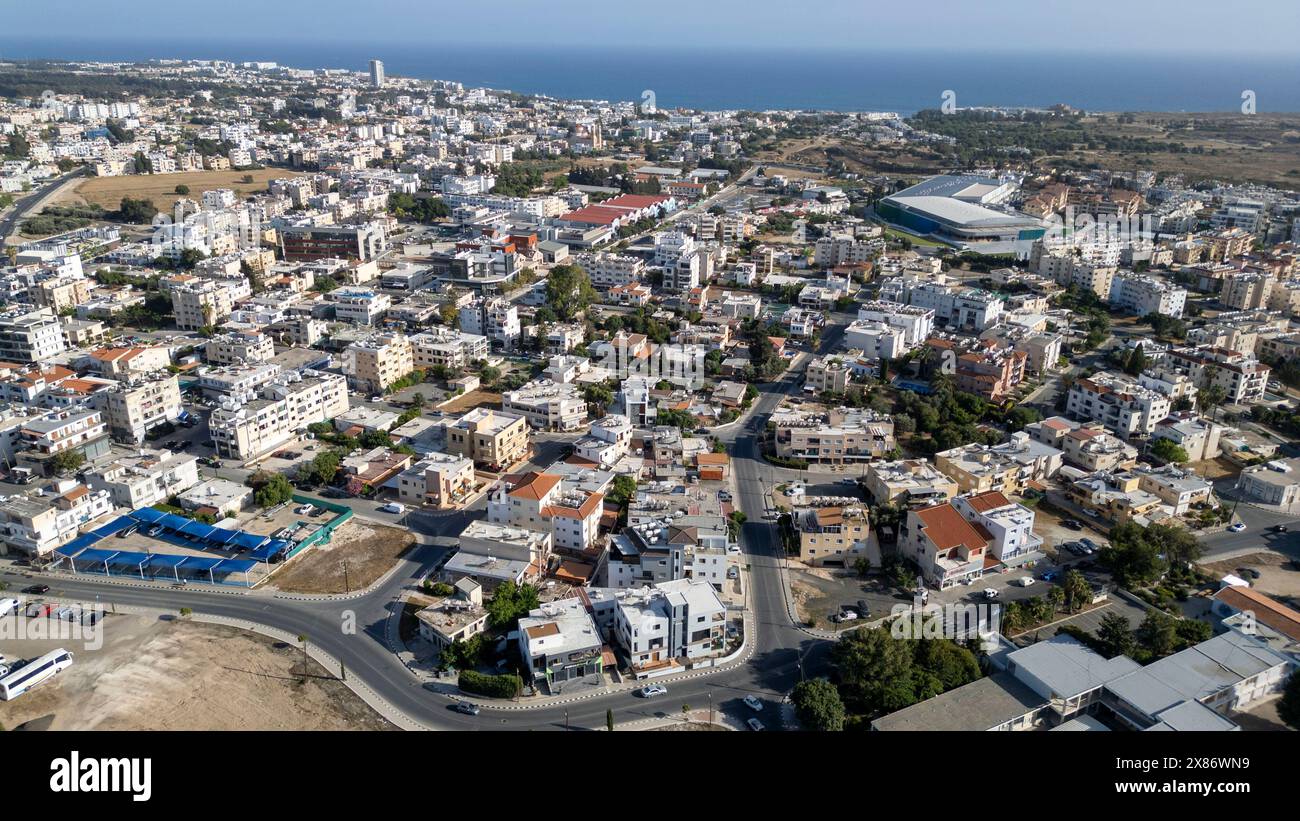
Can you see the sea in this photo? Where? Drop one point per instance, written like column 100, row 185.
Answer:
column 902, row 80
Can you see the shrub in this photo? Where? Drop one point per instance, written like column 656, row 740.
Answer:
column 502, row 686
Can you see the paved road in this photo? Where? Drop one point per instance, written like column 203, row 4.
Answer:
column 9, row 222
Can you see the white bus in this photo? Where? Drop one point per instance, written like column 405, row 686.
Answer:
column 33, row 673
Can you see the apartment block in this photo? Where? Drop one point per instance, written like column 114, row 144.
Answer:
column 374, row 363
column 1119, row 402
column 132, row 409
column 1006, row 468
column 835, row 536
column 491, row 439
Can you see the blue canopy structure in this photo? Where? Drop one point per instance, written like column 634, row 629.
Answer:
column 147, row 514
column 119, row 524
column 235, row 566
column 249, row 541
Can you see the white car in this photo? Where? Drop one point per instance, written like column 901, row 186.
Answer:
column 303, row 509
column 755, row 724
column 1238, row 527
column 392, row 507
column 652, row 690
column 753, row 703
column 733, row 549
column 376, row 398
column 991, row 593
column 1025, row 581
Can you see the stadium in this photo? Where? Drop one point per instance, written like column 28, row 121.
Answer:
column 955, row 209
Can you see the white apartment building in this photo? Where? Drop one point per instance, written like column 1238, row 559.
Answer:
column 237, row 382
column 607, row 270
column 547, row 405
column 1118, row 402
column 359, row 306
column 286, row 408
column 496, row 318
column 239, row 347
column 876, row 340
column 917, row 323
column 145, row 477
column 1141, row 295
column 448, row 348
column 30, row 336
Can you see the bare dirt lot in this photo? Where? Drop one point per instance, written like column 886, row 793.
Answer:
column 153, row 674
column 1276, row 578
column 354, row 558
column 161, row 188
column 473, row 399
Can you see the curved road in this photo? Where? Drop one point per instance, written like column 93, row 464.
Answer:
column 781, row 651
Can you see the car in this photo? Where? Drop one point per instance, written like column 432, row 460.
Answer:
column 466, row 708
column 755, row 724
column 733, row 572
column 1278, row 528
column 843, row 616
column 848, row 480
column 1248, row 572
column 392, row 507
column 733, row 549
column 37, row 589
column 376, row 398
column 1237, row 528
column 1072, row 524
column 1049, row 576
column 724, row 496
column 753, row 703
column 1025, row 581
column 991, row 593
column 302, row 510
column 652, row 690
column 1090, row 544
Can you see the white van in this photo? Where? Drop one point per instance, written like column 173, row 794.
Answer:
column 393, row 507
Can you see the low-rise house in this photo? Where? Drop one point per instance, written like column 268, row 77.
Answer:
column 835, row 537
column 1272, row 483
column 560, row 645
column 909, row 482
column 1008, row 467
column 441, row 480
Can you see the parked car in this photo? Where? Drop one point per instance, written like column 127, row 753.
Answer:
column 991, row 593
column 1237, row 528
column 1278, row 528
column 1050, row 576
column 733, row 572
column 37, row 589
column 652, row 690
column 466, row 708
column 724, row 496
column 1248, row 572
column 753, row 703
column 733, row 549
column 1091, row 546
column 1072, row 524
column 843, row 616
column 755, row 724
column 393, row 507
column 303, row 510
column 1025, row 581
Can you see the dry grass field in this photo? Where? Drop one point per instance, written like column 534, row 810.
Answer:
column 161, row 188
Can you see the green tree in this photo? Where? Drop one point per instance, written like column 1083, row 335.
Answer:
column 1157, row 634
column 66, row 461
column 1115, row 635
column 509, row 602
column 270, row 489
column 569, row 291
column 1167, row 450
column 623, row 490
column 818, row 705
column 1077, row 590
column 136, row 211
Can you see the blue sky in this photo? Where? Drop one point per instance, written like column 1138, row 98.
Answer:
column 1242, row 26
